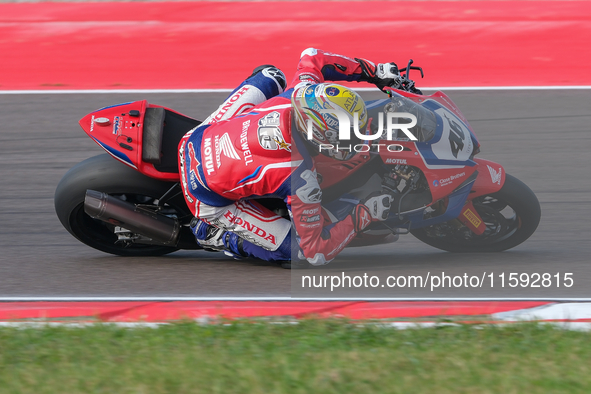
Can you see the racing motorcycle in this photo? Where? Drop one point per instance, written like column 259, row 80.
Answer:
column 129, row 201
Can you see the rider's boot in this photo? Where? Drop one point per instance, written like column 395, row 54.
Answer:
column 216, row 239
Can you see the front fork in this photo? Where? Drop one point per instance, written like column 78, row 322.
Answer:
column 490, row 179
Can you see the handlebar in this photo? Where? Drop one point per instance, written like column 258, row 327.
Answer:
column 403, row 82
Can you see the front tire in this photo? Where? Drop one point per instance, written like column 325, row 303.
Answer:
column 105, row 174
column 511, row 215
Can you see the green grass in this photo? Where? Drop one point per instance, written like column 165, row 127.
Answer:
column 315, row 356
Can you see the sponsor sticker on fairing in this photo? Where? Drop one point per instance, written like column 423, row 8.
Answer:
column 450, row 179
column 116, row 125
column 495, row 176
column 395, row 161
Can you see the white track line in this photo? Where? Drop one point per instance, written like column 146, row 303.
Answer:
column 41, row 324
column 574, row 326
column 167, row 299
column 146, row 91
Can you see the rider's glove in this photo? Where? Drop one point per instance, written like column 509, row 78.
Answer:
column 376, row 207
column 379, row 205
column 382, row 75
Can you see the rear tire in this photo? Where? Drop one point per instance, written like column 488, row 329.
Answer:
column 512, row 215
column 105, row 174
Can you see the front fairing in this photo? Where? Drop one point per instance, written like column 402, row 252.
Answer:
column 451, row 125
column 445, row 145
column 444, row 150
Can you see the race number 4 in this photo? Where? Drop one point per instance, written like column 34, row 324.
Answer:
column 456, row 137
column 455, row 143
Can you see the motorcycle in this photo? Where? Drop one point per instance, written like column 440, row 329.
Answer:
column 129, row 202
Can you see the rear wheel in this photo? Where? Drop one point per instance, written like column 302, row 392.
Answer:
column 511, row 216
column 105, row 174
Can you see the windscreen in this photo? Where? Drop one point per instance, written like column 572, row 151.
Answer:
column 426, row 121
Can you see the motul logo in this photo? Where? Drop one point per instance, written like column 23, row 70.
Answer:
column 250, row 227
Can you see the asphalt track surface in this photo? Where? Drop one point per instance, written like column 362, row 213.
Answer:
column 541, row 137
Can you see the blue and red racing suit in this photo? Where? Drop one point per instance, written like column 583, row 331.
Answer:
column 245, row 150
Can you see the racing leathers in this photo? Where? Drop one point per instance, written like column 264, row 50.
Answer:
column 246, row 150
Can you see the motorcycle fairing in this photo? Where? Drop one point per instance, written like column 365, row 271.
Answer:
column 443, row 174
column 447, row 161
column 491, row 178
column 452, row 145
column 480, row 183
column 416, row 218
column 451, row 179
column 122, row 157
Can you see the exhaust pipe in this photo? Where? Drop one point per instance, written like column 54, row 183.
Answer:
column 157, row 227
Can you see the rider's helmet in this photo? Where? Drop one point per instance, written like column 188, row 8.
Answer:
column 315, row 109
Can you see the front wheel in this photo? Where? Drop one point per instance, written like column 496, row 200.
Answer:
column 105, row 174
column 511, row 216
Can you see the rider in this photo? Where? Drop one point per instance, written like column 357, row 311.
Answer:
column 246, row 150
